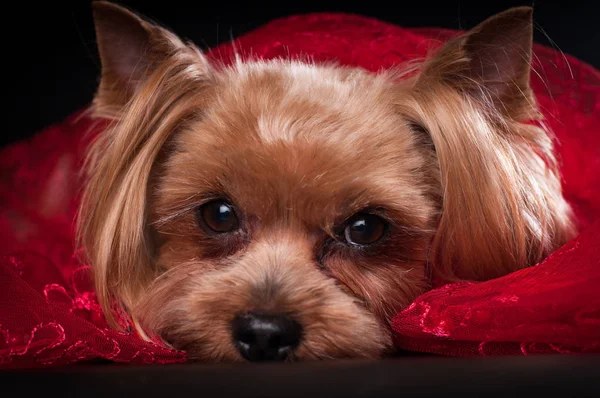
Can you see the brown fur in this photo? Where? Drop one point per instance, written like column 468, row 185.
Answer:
column 469, row 191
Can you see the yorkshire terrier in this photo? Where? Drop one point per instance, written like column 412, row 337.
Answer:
column 286, row 210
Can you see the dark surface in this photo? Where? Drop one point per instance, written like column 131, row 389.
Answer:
column 52, row 60
column 546, row 376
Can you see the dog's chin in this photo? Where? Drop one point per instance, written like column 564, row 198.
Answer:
column 193, row 310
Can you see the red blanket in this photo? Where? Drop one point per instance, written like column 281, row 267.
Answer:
column 48, row 311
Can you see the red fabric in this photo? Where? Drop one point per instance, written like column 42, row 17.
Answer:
column 48, row 311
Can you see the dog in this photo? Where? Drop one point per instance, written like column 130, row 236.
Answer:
column 285, row 210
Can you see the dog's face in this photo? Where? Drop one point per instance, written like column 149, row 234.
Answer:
column 284, row 210
column 282, row 198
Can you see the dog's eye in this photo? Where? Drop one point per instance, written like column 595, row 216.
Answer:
column 218, row 216
column 364, row 229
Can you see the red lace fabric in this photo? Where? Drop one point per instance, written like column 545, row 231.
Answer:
column 48, row 311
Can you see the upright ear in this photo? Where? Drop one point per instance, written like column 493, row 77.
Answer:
column 151, row 82
column 129, row 48
column 500, row 194
column 493, row 61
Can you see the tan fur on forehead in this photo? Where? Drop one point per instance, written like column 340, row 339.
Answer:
column 264, row 141
column 280, row 97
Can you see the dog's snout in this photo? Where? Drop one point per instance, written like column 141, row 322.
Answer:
column 265, row 337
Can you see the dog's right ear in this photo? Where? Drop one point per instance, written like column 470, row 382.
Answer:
column 130, row 48
column 151, row 82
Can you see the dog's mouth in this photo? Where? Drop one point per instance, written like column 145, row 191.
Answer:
column 258, row 311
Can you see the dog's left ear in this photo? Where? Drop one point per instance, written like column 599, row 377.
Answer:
column 492, row 62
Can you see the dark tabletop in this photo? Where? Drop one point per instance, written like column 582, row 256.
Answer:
column 543, row 376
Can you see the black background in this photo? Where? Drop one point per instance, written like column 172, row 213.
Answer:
column 52, row 61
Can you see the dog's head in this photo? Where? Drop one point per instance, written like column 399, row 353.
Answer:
column 283, row 209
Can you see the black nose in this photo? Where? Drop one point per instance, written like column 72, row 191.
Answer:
column 265, row 337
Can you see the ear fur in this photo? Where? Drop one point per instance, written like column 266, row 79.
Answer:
column 130, row 49
column 502, row 206
column 492, row 62
column 151, row 84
